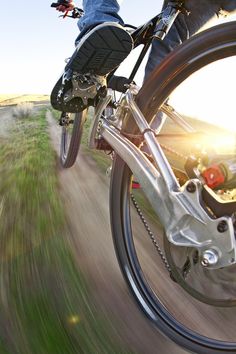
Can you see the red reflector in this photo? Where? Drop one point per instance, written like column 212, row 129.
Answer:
column 135, row 185
column 213, row 176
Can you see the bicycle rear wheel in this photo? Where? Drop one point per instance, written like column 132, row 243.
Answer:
column 192, row 324
column 72, row 129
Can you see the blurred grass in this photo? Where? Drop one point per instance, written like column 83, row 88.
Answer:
column 45, row 303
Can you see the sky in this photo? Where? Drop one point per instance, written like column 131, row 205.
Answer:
column 34, row 43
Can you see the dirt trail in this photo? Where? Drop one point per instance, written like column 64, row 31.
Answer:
column 85, row 194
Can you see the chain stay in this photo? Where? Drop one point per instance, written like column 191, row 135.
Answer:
column 186, row 270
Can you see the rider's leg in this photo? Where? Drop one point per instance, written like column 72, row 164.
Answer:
column 96, row 12
column 228, row 6
column 201, row 12
column 102, row 44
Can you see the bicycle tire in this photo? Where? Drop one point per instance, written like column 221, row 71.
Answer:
column 70, row 141
column 216, row 43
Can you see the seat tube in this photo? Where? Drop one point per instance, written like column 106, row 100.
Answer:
column 167, row 19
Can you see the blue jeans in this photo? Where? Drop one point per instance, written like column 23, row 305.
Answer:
column 201, row 11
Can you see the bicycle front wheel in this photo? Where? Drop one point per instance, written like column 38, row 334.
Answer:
column 72, row 129
column 193, row 315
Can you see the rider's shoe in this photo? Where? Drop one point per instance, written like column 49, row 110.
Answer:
column 99, row 52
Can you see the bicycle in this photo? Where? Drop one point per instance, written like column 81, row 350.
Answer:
column 188, row 197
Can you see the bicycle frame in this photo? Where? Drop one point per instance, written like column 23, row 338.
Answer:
column 180, row 210
column 186, row 222
column 157, row 28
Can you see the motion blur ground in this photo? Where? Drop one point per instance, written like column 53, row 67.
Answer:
column 46, row 305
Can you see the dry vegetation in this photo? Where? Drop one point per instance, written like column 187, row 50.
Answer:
column 9, row 100
column 23, row 110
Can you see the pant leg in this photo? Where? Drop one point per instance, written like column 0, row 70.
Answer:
column 96, row 12
column 229, row 6
column 184, row 27
column 201, row 11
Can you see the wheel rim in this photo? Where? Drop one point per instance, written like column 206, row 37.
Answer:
column 65, row 143
column 71, row 138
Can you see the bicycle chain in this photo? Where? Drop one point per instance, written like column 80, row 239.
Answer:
column 150, row 233
column 173, row 152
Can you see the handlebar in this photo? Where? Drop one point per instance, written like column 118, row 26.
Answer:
column 54, row 4
column 60, row 2
column 75, row 13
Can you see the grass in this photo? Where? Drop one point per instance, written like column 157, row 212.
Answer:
column 46, row 306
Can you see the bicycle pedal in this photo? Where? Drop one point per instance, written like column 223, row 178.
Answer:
column 74, row 92
column 86, row 87
column 57, row 98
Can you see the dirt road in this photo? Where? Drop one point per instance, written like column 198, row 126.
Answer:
column 85, row 194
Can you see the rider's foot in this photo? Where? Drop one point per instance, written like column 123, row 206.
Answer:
column 99, row 52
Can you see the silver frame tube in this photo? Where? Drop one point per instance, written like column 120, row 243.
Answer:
column 185, row 221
